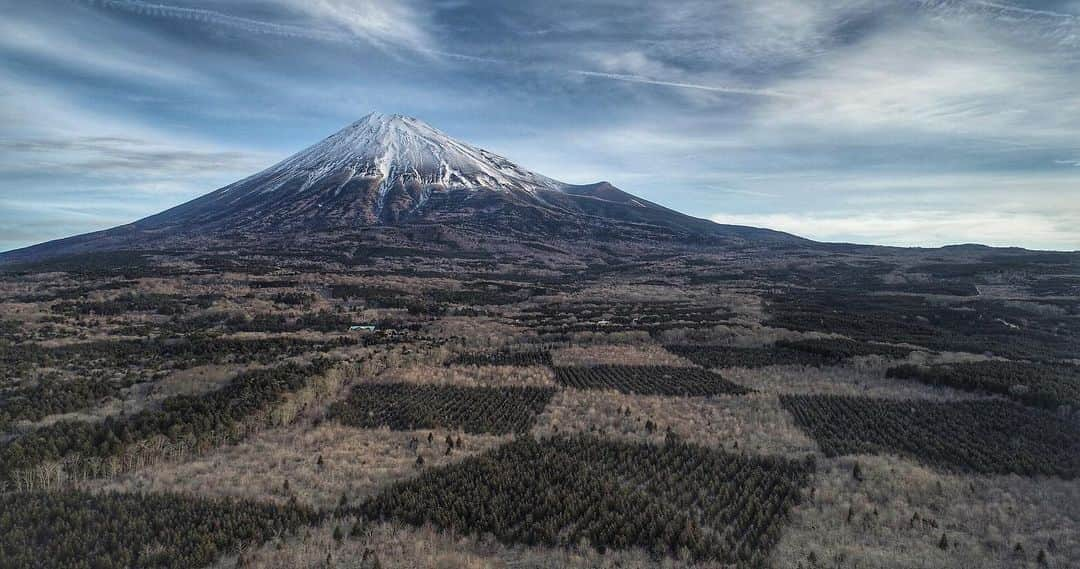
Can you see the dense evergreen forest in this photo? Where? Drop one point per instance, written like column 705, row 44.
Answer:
column 1040, row 384
column 615, row 495
column 648, row 380
column 987, row 436
column 406, row 407
column 78, row 530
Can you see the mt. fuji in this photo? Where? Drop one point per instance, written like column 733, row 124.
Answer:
column 397, row 171
column 402, row 150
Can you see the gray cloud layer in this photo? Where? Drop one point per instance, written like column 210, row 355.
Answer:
column 133, row 157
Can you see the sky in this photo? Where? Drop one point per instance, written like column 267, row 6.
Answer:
column 898, row 122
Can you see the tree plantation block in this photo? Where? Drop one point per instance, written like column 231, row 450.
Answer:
column 79, row 530
column 816, row 352
column 982, row 436
column 648, row 380
column 1042, row 385
column 408, row 406
column 673, row 499
column 503, row 358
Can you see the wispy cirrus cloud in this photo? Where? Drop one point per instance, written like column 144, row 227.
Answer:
column 397, row 23
column 386, row 25
column 936, row 77
column 394, row 27
column 24, row 37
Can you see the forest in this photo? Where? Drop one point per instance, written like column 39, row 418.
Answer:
column 156, row 353
column 1047, row 385
column 407, row 406
column 648, row 380
column 985, row 436
column 503, row 358
column 671, row 499
column 179, row 417
column 212, row 409
column 51, row 396
column 79, row 530
column 814, row 352
column 980, row 326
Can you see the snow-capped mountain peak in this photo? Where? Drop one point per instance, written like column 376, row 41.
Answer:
column 398, row 149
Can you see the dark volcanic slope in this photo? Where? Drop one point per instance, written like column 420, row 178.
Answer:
column 391, row 170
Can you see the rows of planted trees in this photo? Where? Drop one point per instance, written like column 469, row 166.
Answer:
column 77, row 530
column 157, row 353
column 621, row 312
column 975, row 326
column 76, row 292
column 327, row 321
column 1048, row 385
column 653, row 317
column 812, row 352
column 522, row 358
column 983, row 436
column 409, row 406
column 187, row 417
column 671, row 499
column 134, row 302
column 648, row 380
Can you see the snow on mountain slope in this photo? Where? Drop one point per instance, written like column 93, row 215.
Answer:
column 399, row 149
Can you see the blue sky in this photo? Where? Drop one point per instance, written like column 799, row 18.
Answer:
column 894, row 122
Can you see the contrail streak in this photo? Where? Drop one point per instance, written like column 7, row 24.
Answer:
column 218, row 18
column 1027, row 11
column 683, row 85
